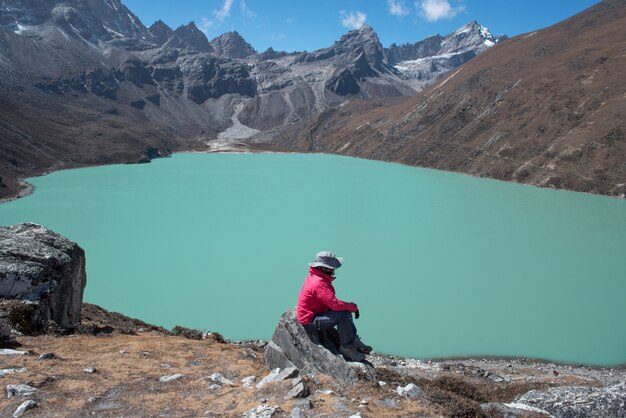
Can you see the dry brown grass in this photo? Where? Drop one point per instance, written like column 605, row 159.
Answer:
column 129, row 367
column 128, row 372
column 126, row 382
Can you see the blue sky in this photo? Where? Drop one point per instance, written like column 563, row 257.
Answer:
column 298, row 25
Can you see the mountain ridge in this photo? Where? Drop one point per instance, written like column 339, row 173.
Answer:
column 124, row 88
column 544, row 108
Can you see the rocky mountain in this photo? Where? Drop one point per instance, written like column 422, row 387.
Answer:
column 422, row 62
column 232, row 45
column 544, row 108
column 189, row 36
column 160, row 32
column 92, row 20
column 85, row 82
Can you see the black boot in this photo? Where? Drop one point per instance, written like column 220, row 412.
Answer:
column 350, row 353
column 359, row 345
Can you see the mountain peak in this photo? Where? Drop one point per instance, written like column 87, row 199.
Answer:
column 365, row 34
column 232, row 45
column 189, row 36
column 160, row 32
column 160, row 24
column 474, row 28
column 191, row 26
column 362, row 40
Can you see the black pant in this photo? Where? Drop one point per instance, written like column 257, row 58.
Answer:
column 343, row 321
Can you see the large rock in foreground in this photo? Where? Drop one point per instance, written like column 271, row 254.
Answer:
column 44, row 270
column 291, row 346
column 583, row 402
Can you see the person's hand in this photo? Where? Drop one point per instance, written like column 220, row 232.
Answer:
column 357, row 314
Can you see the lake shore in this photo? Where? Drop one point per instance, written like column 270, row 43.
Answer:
column 24, row 189
column 18, row 187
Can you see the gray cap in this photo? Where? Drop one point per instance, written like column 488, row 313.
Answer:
column 327, row 259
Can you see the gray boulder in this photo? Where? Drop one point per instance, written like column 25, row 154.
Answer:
column 511, row 410
column 220, row 379
column 261, row 411
column 278, row 375
column 411, row 391
column 5, row 332
column 19, row 390
column 574, row 402
column 11, row 352
column 298, row 391
column 171, row 378
column 5, row 372
column 25, row 406
column 46, row 356
column 291, row 346
column 46, row 272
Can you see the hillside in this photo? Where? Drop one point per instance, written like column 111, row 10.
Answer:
column 115, row 364
column 546, row 108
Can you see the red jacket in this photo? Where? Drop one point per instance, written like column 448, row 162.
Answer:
column 317, row 296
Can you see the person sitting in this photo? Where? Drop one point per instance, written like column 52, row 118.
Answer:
column 319, row 309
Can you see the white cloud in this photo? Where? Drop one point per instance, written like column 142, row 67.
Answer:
column 224, row 12
column 207, row 25
column 277, row 37
column 352, row 20
column 245, row 10
column 434, row 10
column 290, row 20
column 397, row 8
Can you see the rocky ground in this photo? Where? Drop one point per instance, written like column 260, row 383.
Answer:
column 118, row 366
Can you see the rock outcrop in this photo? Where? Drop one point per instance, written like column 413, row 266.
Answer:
column 291, row 346
column 574, row 402
column 343, row 83
column 42, row 275
column 208, row 77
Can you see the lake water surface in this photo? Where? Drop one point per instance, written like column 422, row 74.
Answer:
column 440, row 264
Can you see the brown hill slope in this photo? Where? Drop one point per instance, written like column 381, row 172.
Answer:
column 38, row 135
column 546, row 108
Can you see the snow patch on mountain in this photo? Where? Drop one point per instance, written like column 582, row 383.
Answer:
column 421, row 63
column 113, row 31
column 489, row 39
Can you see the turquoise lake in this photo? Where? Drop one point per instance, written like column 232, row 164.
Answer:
column 441, row 264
